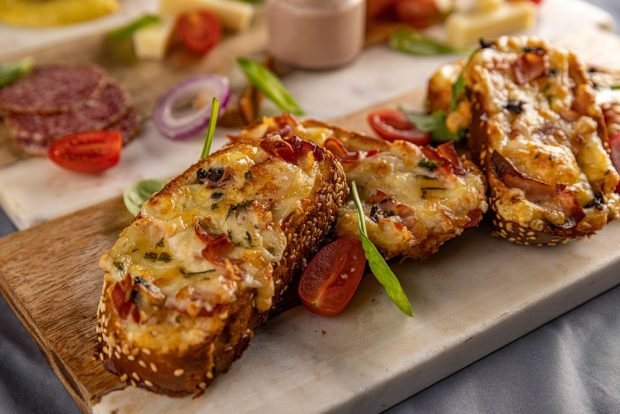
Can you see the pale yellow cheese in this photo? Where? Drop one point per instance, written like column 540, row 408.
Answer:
column 464, row 29
column 233, row 15
column 151, row 42
column 471, row 6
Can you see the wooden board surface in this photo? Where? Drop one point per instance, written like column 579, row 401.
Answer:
column 145, row 80
column 50, row 277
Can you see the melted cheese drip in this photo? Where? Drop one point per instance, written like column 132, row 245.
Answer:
column 162, row 247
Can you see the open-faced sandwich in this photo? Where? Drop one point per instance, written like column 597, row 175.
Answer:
column 414, row 198
column 209, row 257
column 535, row 128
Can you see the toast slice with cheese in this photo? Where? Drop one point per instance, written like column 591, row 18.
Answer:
column 414, row 198
column 209, row 257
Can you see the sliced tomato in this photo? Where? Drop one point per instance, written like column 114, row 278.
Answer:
column 199, row 30
column 393, row 125
column 87, row 152
column 332, row 277
column 418, row 13
column 614, row 144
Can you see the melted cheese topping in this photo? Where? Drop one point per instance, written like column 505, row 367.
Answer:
column 436, row 204
column 553, row 138
column 247, row 204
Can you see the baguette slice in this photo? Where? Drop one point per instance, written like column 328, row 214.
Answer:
column 209, row 257
column 540, row 136
column 414, row 198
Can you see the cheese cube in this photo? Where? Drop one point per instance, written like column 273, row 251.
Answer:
column 151, row 42
column 464, row 29
column 233, row 15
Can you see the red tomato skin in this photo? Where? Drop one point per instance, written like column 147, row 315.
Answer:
column 614, row 145
column 87, row 152
column 199, row 30
column 419, row 14
column 331, row 279
column 393, row 125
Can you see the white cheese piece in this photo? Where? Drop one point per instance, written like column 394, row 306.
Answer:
column 473, row 6
column 152, row 42
column 465, row 29
column 232, row 14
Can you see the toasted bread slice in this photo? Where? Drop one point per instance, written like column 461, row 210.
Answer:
column 414, row 198
column 209, row 257
column 538, row 133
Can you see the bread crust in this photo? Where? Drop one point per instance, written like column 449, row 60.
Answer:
column 190, row 372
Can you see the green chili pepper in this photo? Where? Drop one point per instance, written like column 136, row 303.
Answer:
column 12, row 71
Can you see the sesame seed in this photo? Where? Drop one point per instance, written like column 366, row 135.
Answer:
column 135, row 376
column 146, row 351
column 209, row 374
column 148, row 383
column 124, row 377
column 142, row 363
column 117, row 355
column 131, row 357
column 153, row 367
column 178, row 372
column 133, row 383
column 202, row 385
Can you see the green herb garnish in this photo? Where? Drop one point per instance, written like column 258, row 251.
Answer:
column 434, row 124
column 377, row 263
column 190, row 274
column 206, row 148
column 268, row 83
column 137, row 193
column 132, row 27
column 427, row 164
column 415, row 43
column 12, row 71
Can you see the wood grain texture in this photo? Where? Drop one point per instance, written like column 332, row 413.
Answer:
column 49, row 275
column 145, row 80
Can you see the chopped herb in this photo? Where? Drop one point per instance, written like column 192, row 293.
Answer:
column 415, row 43
column 592, row 69
column 552, row 72
column 190, row 274
column 516, row 107
column 206, row 148
column 151, row 256
column 12, row 71
column 164, row 257
column 217, row 195
column 212, row 174
column 435, row 124
column 615, row 87
column 119, row 265
column 248, row 237
column 428, row 164
column 133, row 295
column 135, row 250
column 160, row 243
column 229, row 234
column 248, row 175
column 536, row 50
column 377, row 263
column 139, row 192
column 215, row 206
column 268, row 83
column 374, row 213
column 237, row 208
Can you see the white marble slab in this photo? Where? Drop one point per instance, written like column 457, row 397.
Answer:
column 35, row 190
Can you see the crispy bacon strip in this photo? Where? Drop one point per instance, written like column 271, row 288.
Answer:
column 558, row 196
column 291, row 149
column 446, row 158
column 531, row 65
column 216, row 246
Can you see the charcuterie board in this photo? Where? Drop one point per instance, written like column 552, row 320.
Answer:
column 476, row 295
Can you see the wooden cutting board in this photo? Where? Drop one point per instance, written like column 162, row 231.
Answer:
column 49, row 276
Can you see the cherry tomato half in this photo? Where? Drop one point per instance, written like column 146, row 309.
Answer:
column 419, row 14
column 199, row 30
column 332, row 277
column 393, row 125
column 87, row 152
column 614, row 144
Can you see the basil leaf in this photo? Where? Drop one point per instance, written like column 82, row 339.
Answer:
column 415, row 43
column 377, row 263
column 458, row 89
column 268, row 83
column 435, row 124
column 136, row 194
column 12, row 71
column 132, row 27
column 206, row 148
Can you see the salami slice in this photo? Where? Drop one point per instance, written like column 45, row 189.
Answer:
column 128, row 125
column 109, row 106
column 52, row 89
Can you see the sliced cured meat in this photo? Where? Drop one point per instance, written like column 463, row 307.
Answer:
column 52, row 89
column 109, row 106
column 128, row 125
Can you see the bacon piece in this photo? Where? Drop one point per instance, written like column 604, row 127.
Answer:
column 531, row 65
column 558, row 196
column 216, row 246
column 446, row 158
column 335, row 147
column 291, row 149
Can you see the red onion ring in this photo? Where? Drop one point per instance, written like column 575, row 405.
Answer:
column 185, row 109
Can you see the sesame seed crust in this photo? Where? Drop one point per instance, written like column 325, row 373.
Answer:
column 178, row 373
